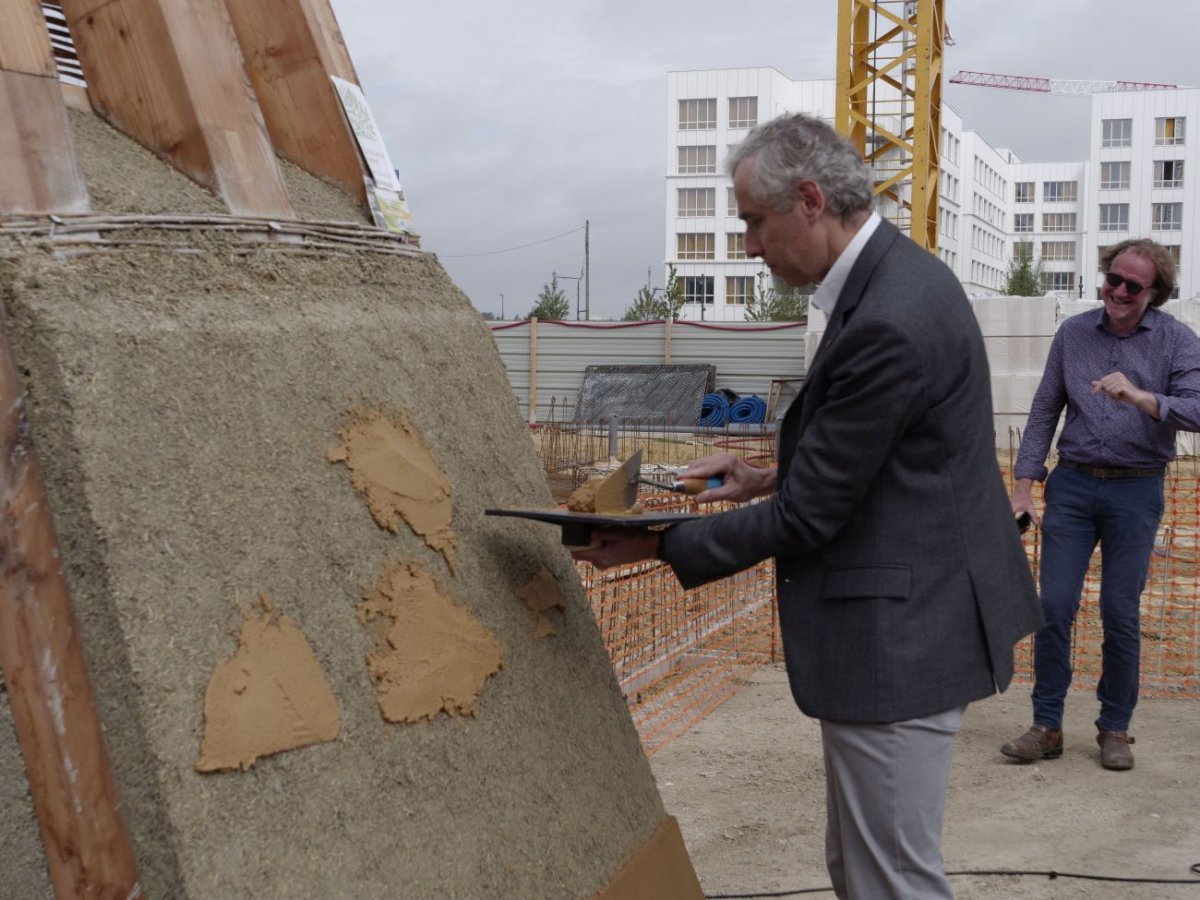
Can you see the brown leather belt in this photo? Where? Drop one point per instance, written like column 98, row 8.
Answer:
column 1106, row 472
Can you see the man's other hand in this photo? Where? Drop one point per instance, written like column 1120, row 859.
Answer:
column 619, row 546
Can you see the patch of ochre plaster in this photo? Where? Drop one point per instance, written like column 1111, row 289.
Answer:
column 541, row 593
column 394, row 471
column 602, row 495
column 270, row 696
column 430, row 655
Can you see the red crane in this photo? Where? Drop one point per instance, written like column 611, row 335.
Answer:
column 1055, row 85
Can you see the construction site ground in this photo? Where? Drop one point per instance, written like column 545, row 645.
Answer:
column 747, row 787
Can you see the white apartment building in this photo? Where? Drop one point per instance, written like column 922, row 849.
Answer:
column 992, row 207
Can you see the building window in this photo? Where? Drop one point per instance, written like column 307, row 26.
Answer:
column 1022, row 222
column 730, row 203
column 1024, row 191
column 1114, row 216
column 1166, row 216
column 1060, row 221
column 1168, row 173
column 1060, row 191
column 950, row 146
column 743, row 112
column 697, row 114
column 735, row 245
column 1116, row 133
column 1058, row 251
column 697, row 202
column 697, row 288
column 1061, row 282
column 1169, row 130
column 698, row 160
column 1023, row 251
column 695, row 246
column 949, row 186
column 739, row 289
column 1114, row 176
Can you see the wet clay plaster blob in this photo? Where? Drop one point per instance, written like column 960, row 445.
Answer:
column 430, row 655
column 541, row 593
column 602, row 495
column 393, row 470
column 270, row 696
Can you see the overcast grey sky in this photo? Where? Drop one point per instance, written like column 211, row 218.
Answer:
column 513, row 123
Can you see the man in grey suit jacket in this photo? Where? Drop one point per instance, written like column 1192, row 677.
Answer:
column 902, row 582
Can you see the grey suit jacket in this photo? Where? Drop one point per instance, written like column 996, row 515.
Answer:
column 902, row 582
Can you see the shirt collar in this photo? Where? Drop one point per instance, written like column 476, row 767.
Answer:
column 826, row 295
column 1148, row 321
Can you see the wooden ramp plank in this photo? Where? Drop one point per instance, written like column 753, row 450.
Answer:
column 53, row 704
column 39, row 172
column 291, row 47
column 24, row 41
column 170, row 75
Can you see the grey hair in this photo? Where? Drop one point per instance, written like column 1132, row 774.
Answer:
column 797, row 147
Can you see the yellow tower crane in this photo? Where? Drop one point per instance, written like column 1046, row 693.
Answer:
column 889, row 103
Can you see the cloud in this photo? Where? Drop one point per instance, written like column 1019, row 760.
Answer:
column 513, row 123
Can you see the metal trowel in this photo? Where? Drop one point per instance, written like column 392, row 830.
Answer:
column 614, row 497
column 618, row 491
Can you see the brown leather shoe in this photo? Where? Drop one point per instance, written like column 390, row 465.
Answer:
column 1114, row 749
column 1039, row 742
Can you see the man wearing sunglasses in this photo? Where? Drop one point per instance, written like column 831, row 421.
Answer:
column 1128, row 376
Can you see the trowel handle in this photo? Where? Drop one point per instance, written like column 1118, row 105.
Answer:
column 693, row 486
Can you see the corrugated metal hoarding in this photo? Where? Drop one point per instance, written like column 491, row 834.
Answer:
column 748, row 355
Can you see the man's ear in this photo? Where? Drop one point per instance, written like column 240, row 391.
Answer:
column 810, row 198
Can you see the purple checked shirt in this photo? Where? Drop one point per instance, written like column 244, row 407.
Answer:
column 1161, row 355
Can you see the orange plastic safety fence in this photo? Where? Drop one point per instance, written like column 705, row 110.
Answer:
column 678, row 654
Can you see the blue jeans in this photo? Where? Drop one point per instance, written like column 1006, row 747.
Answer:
column 1123, row 515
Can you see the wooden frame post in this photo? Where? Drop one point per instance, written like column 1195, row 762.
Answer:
column 170, row 75
column 39, row 172
column 291, row 48
column 88, row 851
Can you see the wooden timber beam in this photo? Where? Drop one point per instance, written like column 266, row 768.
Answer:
column 170, row 75
column 54, row 711
column 39, row 172
column 291, row 47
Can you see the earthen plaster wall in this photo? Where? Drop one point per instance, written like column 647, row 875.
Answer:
column 183, row 400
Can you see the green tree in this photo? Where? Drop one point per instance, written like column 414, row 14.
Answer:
column 646, row 305
column 766, row 304
column 672, row 295
column 657, row 303
column 1024, row 277
column 552, row 302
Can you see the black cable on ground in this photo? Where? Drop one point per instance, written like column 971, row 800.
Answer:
column 1050, row 874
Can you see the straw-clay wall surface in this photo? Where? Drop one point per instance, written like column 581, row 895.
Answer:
column 322, row 671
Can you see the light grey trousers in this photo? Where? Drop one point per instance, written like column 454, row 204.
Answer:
column 885, row 793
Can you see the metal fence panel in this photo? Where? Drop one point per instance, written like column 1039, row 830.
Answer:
column 747, row 355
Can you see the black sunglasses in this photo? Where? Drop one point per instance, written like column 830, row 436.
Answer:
column 1132, row 288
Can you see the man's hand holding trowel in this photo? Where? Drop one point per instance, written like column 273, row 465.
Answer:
column 710, row 479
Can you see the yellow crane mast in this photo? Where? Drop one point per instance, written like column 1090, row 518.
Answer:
column 889, row 103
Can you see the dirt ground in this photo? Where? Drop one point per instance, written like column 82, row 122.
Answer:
column 748, row 789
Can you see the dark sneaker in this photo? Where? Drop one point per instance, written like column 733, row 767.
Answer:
column 1039, row 742
column 1114, row 749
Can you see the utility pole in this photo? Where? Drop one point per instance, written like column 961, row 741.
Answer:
column 575, row 278
column 502, row 306
column 587, row 270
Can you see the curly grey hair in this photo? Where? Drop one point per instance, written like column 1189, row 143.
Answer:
column 798, row 147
